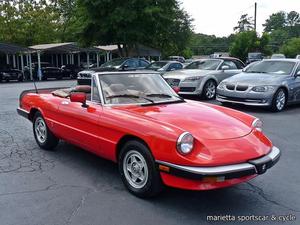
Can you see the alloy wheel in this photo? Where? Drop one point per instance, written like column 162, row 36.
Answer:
column 280, row 100
column 210, row 90
column 40, row 130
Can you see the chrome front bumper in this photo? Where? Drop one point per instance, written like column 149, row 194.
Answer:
column 252, row 167
column 250, row 102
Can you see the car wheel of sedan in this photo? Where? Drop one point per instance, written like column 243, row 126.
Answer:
column 43, row 136
column 279, row 100
column 209, row 90
column 138, row 170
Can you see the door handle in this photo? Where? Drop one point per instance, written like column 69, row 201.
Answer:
column 65, row 103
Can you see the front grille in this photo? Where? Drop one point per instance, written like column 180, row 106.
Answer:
column 173, row 82
column 187, row 89
column 230, row 86
column 241, row 87
column 240, row 99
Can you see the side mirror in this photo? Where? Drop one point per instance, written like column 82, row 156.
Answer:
column 225, row 67
column 298, row 74
column 124, row 67
column 79, row 97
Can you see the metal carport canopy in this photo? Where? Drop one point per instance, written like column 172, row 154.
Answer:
column 59, row 48
column 12, row 49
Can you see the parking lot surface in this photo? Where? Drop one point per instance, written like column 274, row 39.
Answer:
column 72, row 186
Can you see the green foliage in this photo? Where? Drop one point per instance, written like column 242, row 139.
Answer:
column 244, row 24
column 291, row 48
column 275, row 22
column 161, row 24
column 248, row 41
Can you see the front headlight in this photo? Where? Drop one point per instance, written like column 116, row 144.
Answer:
column 262, row 88
column 185, row 143
column 193, row 78
column 257, row 124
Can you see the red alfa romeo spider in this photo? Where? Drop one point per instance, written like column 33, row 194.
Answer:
column 157, row 138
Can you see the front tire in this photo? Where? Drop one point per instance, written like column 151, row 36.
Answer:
column 138, row 171
column 43, row 136
column 279, row 100
column 209, row 90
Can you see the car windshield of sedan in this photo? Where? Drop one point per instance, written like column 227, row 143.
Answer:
column 136, row 89
column 272, row 67
column 112, row 63
column 156, row 65
column 210, row 64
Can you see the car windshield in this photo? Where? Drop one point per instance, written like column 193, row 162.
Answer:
column 271, row 67
column 113, row 63
column 254, row 55
column 209, row 64
column 136, row 89
column 156, row 65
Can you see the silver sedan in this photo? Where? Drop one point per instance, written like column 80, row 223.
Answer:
column 201, row 77
column 272, row 83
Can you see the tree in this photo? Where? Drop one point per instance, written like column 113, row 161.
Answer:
column 293, row 18
column 248, row 41
column 160, row 24
column 291, row 48
column 275, row 22
column 278, row 38
column 244, row 24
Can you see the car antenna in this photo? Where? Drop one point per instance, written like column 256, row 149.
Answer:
column 36, row 90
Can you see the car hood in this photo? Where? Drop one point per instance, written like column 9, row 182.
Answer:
column 201, row 120
column 181, row 74
column 256, row 79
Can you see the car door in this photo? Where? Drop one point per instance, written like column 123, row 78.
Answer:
column 297, row 84
column 231, row 70
column 80, row 125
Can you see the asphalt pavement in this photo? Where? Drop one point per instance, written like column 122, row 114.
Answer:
column 72, row 186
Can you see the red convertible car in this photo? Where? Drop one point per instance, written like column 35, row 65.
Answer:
column 157, row 138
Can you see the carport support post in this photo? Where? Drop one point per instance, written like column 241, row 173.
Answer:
column 14, row 61
column 61, row 59
column 56, row 60
column 7, row 59
column 30, row 67
column 39, row 65
column 22, row 63
column 72, row 58
column 97, row 59
column 78, row 59
column 88, row 60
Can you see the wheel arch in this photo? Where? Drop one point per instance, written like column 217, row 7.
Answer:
column 32, row 112
column 126, row 138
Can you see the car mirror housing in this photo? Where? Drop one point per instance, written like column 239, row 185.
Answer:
column 225, row 67
column 79, row 97
column 298, row 74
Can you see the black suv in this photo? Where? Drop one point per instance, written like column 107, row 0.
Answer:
column 8, row 73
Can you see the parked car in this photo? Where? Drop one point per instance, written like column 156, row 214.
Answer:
column 48, row 71
column 297, row 56
column 177, row 58
column 118, row 64
column 164, row 66
column 71, row 70
column 142, row 125
column 254, row 57
column 278, row 56
column 272, row 83
column 8, row 73
column 200, row 78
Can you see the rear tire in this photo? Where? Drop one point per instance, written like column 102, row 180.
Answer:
column 138, row 170
column 279, row 100
column 43, row 136
column 209, row 90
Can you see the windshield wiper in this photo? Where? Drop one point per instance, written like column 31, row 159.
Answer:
column 130, row 96
column 162, row 95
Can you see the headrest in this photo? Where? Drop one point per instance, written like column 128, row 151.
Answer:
column 83, row 88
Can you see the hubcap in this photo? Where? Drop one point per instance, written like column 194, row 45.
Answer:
column 210, row 90
column 280, row 100
column 135, row 169
column 40, row 130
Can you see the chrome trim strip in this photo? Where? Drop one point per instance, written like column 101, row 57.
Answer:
column 216, row 170
column 23, row 110
column 274, row 154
